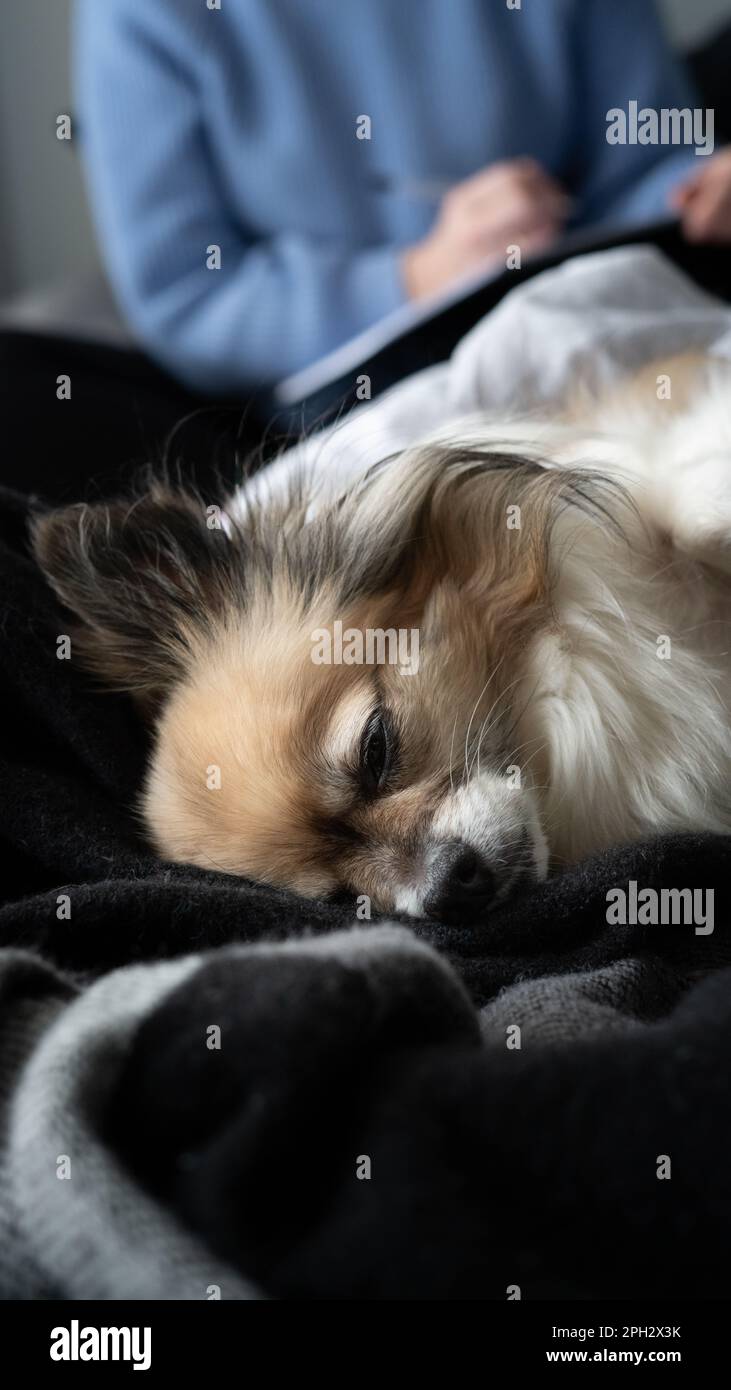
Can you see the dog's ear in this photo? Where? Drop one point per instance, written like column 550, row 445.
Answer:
column 145, row 578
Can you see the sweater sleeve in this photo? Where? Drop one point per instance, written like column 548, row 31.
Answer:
column 159, row 205
column 623, row 55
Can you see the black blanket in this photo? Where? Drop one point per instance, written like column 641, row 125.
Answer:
column 363, row 1124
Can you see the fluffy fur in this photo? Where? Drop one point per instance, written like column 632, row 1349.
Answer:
column 569, row 579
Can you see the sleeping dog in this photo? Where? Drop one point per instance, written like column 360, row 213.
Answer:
column 569, row 580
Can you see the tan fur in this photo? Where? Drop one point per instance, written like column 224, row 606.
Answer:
column 639, row 390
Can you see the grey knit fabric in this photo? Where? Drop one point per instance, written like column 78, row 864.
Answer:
column 321, row 1027
column 97, row 1234
column 569, row 1008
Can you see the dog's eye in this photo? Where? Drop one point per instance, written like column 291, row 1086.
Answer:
column 376, row 753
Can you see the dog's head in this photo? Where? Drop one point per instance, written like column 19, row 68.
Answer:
column 337, row 697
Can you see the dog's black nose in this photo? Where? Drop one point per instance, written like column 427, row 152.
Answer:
column 461, row 882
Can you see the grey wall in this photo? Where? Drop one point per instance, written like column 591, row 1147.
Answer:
column 690, row 20
column 45, row 230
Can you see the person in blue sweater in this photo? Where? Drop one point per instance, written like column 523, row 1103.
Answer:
column 270, row 177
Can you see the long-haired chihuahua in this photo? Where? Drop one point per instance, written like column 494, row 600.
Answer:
column 568, row 582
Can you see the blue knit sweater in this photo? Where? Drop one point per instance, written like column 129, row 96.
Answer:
column 237, row 127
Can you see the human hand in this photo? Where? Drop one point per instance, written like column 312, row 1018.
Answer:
column 704, row 200
column 514, row 201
